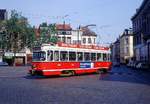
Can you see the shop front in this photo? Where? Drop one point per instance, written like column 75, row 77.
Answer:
column 19, row 59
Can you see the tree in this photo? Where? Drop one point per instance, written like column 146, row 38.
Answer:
column 48, row 33
column 30, row 37
column 3, row 38
column 20, row 33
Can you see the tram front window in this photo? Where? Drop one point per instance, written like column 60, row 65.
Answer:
column 39, row 56
column 104, row 57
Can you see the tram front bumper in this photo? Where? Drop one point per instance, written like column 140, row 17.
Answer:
column 35, row 72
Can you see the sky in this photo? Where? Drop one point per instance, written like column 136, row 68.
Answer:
column 111, row 17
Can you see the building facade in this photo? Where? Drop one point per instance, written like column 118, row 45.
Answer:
column 76, row 37
column 64, row 32
column 126, row 46
column 88, row 36
column 141, row 31
column 82, row 35
column 115, row 52
column 3, row 14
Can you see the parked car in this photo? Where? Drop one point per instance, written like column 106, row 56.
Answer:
column 134, row 65
column 138, row 66
column 130, row 64
column 3, row 64
column 143, row 66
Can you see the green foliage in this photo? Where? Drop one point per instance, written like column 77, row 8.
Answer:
column 48, row 33
column 18, row 33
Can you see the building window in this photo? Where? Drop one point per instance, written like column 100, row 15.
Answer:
column 68, row 39
column 84, row 40
column 127, row 50
column 89, row 40
column 127, row 41
column 59, row 32
column 59, row 38
column 94, row 41
column 68, row 32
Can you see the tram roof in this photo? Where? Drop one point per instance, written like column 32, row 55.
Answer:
column 76, row 47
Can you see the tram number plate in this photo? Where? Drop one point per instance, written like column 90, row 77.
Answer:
column 86, row 65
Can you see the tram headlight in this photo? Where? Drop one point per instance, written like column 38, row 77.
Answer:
column 33, row 67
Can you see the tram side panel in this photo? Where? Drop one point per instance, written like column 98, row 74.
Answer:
column 55, row 68
column 103, row 65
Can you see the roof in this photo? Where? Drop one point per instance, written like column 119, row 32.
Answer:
column 63, row 27
column 75, row 47
column 37, row 32
column 88, row 32
column 127, row 32
column 139, row 10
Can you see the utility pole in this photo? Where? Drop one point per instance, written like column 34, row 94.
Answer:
column 78, row 30
column 64, row 32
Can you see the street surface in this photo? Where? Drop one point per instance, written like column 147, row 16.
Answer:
column 120, row 86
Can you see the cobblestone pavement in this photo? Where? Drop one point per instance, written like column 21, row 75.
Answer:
column 120, row 86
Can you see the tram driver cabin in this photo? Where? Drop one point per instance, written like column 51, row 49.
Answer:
column 69, row 59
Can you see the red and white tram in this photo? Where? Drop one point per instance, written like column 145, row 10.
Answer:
column 69, row 59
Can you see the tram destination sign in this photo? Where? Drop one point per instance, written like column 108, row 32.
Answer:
column 83, row 46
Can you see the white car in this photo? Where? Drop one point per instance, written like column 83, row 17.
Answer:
column 139, row 65
column 143, row 66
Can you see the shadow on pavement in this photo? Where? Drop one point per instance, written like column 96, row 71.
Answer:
column 127, row 75
column 46, row 77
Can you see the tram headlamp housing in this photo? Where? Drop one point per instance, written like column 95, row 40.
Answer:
column 33, row 67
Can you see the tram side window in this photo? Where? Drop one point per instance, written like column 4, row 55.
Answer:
column 63, row 55
column 93, row 56
column 72, row 56
column 80, row 56
column 108, row 57
column 87, row 56
column 104, row 57
column 99, row 57
column 50, row 55
column 56, row 55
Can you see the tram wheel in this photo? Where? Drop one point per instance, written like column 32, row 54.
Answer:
column 32, row 73
column 98, row 71
column 73, row 73
column 103, row 70
column 68, row 73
